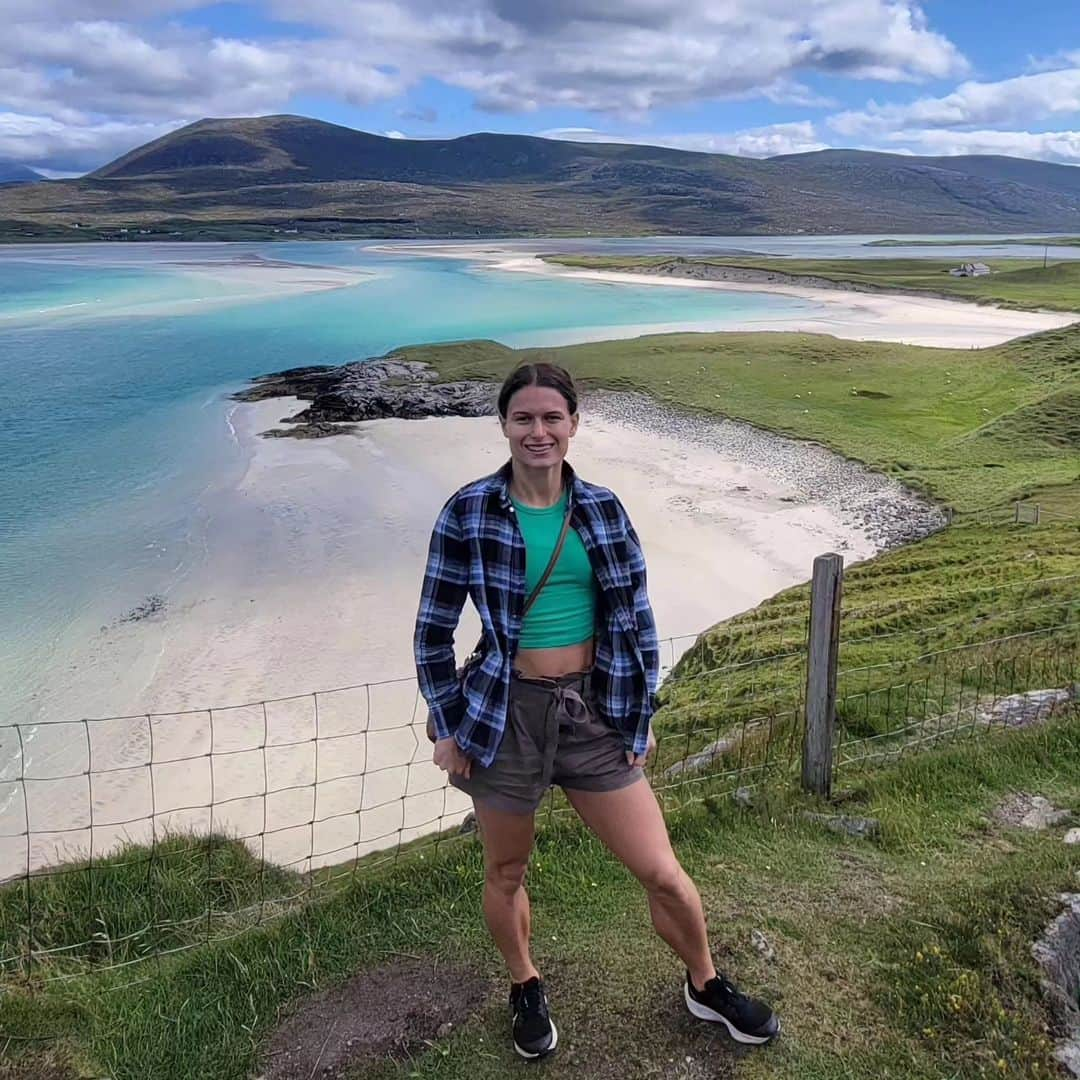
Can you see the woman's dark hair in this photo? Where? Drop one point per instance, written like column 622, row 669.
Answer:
column 538, row 374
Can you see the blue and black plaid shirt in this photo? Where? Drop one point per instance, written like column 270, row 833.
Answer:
column 477, row 551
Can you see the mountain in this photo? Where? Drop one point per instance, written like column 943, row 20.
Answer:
column 11, row 173
column 257, row 176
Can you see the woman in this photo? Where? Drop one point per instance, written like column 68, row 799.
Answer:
column 560, row 692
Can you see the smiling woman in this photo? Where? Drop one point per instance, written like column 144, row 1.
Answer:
column 561, row 695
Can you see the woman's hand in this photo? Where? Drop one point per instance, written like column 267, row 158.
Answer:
column 450, row 759
column 639, row 761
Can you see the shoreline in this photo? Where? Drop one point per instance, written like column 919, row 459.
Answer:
column 309, row 581
column 910, row 319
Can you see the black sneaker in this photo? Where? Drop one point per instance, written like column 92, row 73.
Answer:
column 534, row 1033
column 748, row 1020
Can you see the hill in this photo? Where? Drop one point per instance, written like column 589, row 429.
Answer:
column 250, row 177
column 923, row 934
column 13, row 173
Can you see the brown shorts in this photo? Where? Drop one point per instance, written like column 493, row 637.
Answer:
column 552, row 736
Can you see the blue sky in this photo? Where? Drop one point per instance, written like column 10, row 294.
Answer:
column 82, row 81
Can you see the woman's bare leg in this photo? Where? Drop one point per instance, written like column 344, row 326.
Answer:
column 629, row 822
column 508, row 840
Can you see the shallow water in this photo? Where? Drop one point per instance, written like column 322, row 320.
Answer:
column 117, row 363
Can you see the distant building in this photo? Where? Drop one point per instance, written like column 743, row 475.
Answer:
column 970, row 269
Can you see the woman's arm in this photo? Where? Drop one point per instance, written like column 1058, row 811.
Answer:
column 445, row 588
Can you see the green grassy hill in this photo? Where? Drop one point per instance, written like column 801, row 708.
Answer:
column 907, row 957
column 244, row 177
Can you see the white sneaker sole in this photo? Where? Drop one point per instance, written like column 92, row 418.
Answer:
column 703, row 1012
column 543, row 1053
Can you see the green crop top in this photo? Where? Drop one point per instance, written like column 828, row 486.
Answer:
column 565, row 610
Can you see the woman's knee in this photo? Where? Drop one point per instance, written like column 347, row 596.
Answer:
column 506, row 875
column 664, row 878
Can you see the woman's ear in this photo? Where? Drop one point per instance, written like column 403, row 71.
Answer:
column 574, row 423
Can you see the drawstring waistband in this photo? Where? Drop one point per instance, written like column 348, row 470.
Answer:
column 569, row 705
column 566, row 691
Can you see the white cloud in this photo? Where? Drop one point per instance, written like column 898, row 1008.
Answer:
column 394, row 134
column 794, row 138
column 1062, row 147
column 108, row 71
column 1023, row 100
column 96, row 66
column 627, row 57
column 63, row 147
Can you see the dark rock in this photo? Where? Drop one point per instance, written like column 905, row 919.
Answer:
column 152, row 605
column 370, row 390
column 861, row 827
column 318, row 430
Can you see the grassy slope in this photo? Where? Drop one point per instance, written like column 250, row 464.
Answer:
column 908, row 958
column 945, row 425
column 849, row 922
column 932, row 433
column 1020, row 283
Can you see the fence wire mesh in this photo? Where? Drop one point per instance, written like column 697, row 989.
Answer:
column 133, row 838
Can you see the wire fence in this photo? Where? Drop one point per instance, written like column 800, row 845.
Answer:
column 125, row 839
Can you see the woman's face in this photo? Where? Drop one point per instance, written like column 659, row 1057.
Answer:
column 539, row 427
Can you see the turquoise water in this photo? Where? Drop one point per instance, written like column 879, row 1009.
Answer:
column 116, row 362
column 116, row 365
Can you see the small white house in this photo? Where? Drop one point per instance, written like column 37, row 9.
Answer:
column 970, row 269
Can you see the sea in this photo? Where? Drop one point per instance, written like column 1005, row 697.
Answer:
column 117, row 362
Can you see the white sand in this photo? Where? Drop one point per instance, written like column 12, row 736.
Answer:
column 857, row 316
column 219, row 284
column 310, row 583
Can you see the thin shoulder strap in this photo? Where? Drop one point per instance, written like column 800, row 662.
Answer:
column 551, row 563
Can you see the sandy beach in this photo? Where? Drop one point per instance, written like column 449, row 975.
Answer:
column 857, row 316
column 312, row 558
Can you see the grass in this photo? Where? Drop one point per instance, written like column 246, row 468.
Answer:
column 975, row 429
column 81, row 919
column 957, row 424
column 1017, row 283
column 907, row 958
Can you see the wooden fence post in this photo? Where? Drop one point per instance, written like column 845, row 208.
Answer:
column 1038, row 514
column 821, row 663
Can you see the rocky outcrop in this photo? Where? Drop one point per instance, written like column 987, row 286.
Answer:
column 1058, row 955
column 1024, row 710
column 369, row 390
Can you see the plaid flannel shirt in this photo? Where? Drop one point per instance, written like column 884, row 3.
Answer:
column 477, row 551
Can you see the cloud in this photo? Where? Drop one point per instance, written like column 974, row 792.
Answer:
column 1019, row 101
column 628, row 57
column 110, row 71
column 1062, row 147
column 394, row 134
column 794, row 138
column 96, row 66
column 59, row 147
